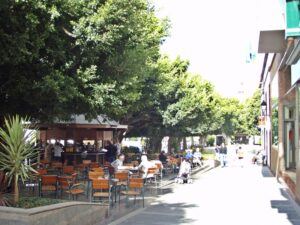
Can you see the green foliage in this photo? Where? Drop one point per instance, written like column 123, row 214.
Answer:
column 131, row 149
column 229, row 116
column 58, row 58
column 210, row 140
column 4, row 201
column 16, row 146
column 32, row 202
column 174, row 103
column 251, row 113
column 275, row 126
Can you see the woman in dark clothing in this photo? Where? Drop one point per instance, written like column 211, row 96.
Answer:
column 111, row 153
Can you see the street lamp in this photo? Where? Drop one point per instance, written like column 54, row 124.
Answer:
column 264, row 107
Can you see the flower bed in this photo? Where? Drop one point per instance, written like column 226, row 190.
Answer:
column 32, row 202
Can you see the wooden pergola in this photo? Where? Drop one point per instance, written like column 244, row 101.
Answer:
column 79, row 129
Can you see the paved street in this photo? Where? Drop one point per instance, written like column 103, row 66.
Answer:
column 230, row 195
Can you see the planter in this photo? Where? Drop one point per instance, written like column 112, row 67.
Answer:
column 213, row 162
column 75, row 213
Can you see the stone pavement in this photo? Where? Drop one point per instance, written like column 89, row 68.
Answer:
column 230, row 195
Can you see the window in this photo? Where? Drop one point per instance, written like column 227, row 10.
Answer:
column 274, row 109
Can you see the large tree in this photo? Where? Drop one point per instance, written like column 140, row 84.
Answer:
column 63, row 57
column 175, row 103
column 251, row 113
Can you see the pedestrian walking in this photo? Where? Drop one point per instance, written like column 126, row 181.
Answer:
column 240, row 156
column 264, row 157
column 223, row 155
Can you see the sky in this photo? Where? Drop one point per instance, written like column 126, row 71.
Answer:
column 218, row 36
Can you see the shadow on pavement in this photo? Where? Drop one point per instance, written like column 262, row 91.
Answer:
column 162, row 214
column 287, row 207
column 265, row 171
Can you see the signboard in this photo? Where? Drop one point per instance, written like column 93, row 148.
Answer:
column 262, row 121
column 292, row 18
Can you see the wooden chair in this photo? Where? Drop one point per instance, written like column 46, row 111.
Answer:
column 159, row 172
column 76, row 189
column 122, row 182
column 44, row 163
column 94, row 165
column 57, row 165
column 151, row 174
column 122, row 177
column 98, row 169
column 67, row 184
column 49, row 184
column 64, row 184
column 41, row 172
column 86, row 162
column 68, row 170
column 96, row 175
column 135, row 188
column 101, row 189
column 82, row 170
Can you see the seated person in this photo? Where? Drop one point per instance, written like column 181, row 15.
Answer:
column 162, row 157
column 197, row 157
column 189, row 154
column 118, row 162
column 144, row 166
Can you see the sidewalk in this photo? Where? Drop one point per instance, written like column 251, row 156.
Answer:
column 232, row 195
column 121, row 211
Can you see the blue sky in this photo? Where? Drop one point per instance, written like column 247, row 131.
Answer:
column 216, row 36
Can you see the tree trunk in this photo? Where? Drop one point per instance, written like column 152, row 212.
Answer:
column 16, row 190
column 155, row 144
column 171, row 149
column 184, row 143
column 119, row 136
column 174, row 144
column 192, row 141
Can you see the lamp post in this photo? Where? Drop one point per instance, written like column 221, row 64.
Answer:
column 265, row 129
column 264, row 107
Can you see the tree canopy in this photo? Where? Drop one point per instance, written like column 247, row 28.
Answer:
column 65, row 57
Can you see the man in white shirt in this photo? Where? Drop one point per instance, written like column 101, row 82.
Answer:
column 118, row 162
column 144, row 166
column 57, row 151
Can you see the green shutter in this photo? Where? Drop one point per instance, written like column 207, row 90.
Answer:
column 292, row 18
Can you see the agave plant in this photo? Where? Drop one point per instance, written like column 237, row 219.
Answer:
column 16, row 146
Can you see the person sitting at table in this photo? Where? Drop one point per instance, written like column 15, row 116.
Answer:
column 162, row 157
column 118, row 162
column 145, row 165
column 197, row 157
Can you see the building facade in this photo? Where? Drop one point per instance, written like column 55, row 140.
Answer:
column 280, row 88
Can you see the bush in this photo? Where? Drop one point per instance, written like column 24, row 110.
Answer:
column 4, row 201
column 210, row 140
column 32, row 202
column 131, row 149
